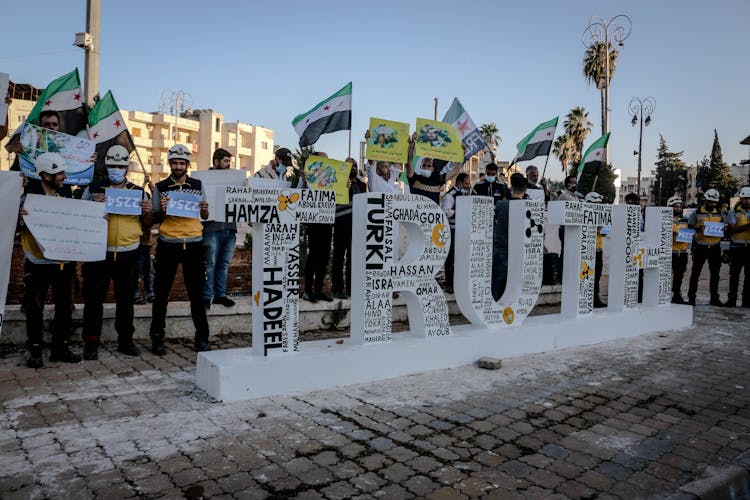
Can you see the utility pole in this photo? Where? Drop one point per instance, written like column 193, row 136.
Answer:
column 91, row 70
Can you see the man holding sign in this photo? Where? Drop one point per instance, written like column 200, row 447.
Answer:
column 708, row 222
column 129, row 210
column 682, row 237
column 180, row 206
column 739, row 253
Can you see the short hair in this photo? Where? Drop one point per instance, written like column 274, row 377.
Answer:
column 529, row 168
column 49, row 112
column 221, row 153
column 460, row 177
column 490, row 166
column 567, row 179
column 518, row 182
column 632, row 197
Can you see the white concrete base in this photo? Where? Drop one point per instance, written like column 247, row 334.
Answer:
column 235, row 374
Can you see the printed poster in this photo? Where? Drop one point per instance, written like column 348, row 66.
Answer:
column 76, row 151
column 328, row 174
column 389, row 141
column 438, row 140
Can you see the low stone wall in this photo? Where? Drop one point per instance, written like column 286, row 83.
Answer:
column 236, row 319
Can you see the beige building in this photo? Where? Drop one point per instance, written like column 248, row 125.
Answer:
column 203, row 131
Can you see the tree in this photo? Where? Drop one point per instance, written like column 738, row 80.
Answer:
column 565, row 150
column 719, row 176
column 300, row 157
column 671, row 173
column 595, row 71
column 489, row 132
column 577, row 127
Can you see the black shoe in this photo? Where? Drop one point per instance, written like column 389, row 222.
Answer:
column 716, row 302
column 128, row 349
column 140, row 301
column 150, row 299
column 91, row 354
column 730, row 303
column 224, row 301
column 448, row 289
column 340, row 295
column 678, row 300
column 691, row 301
column 35, row 359
column 157, row 347
column 202, row 346
column 64, row 355
column 310, row 297
column 323, row 297
column 598, row 304
column 207, row 304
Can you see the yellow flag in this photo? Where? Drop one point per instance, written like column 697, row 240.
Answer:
column 438, row 140
column 328, row 174
column 389, row 141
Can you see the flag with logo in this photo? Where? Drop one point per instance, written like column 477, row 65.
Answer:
column 330, row 115
column 537, row 143
column 594, row 157
column 107, row 128
column 471, row 138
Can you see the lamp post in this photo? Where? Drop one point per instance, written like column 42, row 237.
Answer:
column 641, row 109
column 598, row 31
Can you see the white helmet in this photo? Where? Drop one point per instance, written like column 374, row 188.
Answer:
column 712, row 195
column 179, row 152
column 674, row 200
column 745, row 192
column 117, row 156
column 593, row 197
column 49, row 163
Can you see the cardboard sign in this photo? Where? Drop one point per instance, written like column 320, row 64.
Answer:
column 438, row 140
column 76, row 151
column 184, row 204
column 389, row 141
column 123, row 201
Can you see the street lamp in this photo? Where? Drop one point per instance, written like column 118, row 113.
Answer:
column 640, row 109
column 617, row 30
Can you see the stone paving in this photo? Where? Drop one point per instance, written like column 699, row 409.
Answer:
column 627, row 419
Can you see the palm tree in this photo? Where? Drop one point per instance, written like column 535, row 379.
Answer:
column 489, row 132
column 565, row 151
column 577, row 127
column 595, row 71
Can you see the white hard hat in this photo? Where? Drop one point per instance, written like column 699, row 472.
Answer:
column 179, row 152
column 674, row 200
column 712, row 195
column 49, row 163
column 593, row 197
column 745, row 192
column 117, row 156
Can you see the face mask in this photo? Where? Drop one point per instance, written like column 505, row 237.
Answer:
column 490, row 178
column 116, row 175
column 281, row 169
column 464, row 191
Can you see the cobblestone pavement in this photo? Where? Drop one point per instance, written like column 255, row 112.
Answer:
column 628, row 419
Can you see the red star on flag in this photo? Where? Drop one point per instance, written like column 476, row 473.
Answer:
column 117, row 123
column 549, row 133
column 326, row 107
column 597, row 153
column 77, row 96
column 96, row 134
column 463, row 126
column 47, row 102
column 307, row 121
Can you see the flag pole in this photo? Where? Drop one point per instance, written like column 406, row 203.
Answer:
column 545, row 165
column 436, row 108
column 350, row 142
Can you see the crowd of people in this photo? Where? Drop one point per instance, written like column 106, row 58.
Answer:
column 205, row 248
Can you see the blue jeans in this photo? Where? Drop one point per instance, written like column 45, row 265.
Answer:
column 218, row 247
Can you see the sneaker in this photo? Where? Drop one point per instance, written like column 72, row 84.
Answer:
column 150, row 299
column 202, row 346
column 310, row 297
column 599, row 304
column 129, row 349
column 323, row 297
column 157, row 348
column 678, row 300
column 64, row 355
column 224, row 301
column 35, row 359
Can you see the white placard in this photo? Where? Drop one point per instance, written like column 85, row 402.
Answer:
column 4, row 81
column 715, row 229
column 261, row 183
column 67, row 229
column 214, row 182
column 10, row 194
column 685, row 235
column 123, row 201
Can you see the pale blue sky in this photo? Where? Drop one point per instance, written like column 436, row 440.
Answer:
column 514, row 63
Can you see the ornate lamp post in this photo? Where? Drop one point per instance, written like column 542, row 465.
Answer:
column 616, row 30
column 641, row 109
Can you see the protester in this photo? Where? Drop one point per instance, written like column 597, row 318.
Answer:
column 40, row 274
column 501, row 237
column 536, row 190
column 342, row 238
column 571, row 189
column 594, row 197
column 319, row 237
column 144, row 266
column 491, row 186
column 179, row 242
column 279, row 166
column 429, row 175
column 706, row 248
column 219, row 239
column 462, row 187
column 680, row 249
column 121, row 262
column 739, row 253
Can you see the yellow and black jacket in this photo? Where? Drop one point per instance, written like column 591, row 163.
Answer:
column 679, row 222
column 123, row 231
column 701, row 216
column 174, row 229
column 740, row 217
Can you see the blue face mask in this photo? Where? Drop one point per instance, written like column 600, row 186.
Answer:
column 490, row 178
column 116, row 175
column 281, row 169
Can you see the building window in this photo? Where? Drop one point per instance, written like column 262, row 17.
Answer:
column 21, row 118
column 218, row 125
column 136, row 132
column 216, row 146
column 264, row 145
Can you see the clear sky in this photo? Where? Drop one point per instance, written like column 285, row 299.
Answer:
column 515, row 63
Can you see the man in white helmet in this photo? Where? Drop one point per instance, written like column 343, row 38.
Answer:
column 40, row 274
column 680, row 249
column 180, row 241
column 738, row 224
column 706, row 248
column 594, row 197
column 120, row 265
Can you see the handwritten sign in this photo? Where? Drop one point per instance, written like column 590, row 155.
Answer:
column 67, row 229
column 685, row 235
column 123, row 201
column 184, row 204
column 76, row 151
column 214, row 182
column 438, row 140
column 715, row 229
column 389, row 141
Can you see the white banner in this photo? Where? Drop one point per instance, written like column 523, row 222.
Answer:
column 67, row 229
column 215, row 181
column 10, row 195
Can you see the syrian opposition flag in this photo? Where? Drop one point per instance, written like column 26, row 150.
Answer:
column 537, row 143
column 470, row 136
column 594, row 157
column 330, row 115
column 107, row 128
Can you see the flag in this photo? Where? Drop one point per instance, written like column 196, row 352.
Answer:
column 107, row 128
column 594, row 156
column 537, row 143
column 330, row 115
column 471, row 138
